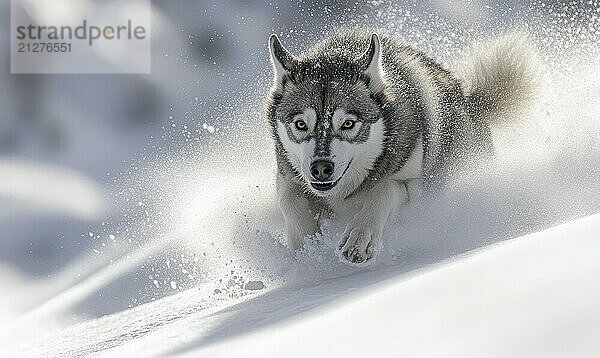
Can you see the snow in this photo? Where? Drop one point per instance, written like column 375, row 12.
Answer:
column 502, row 264
column 57, row 190
column 254, row 285
column 533, row 296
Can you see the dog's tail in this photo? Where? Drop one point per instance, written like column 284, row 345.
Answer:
column 501, row 78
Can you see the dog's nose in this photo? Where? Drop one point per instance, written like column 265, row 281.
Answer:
column 321, row 169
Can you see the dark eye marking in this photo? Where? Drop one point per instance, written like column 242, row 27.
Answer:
column 353, row 113
column 295, row 113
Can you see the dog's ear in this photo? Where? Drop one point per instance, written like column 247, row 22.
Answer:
column 283, row 61
column 370, row 64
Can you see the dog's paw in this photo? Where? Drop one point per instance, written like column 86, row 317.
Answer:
column 296, row 234
column 358, row 243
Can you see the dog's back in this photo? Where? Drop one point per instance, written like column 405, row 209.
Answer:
column 454, row 116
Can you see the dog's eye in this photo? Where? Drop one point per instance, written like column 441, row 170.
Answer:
column 300, row 125
column 348, row 124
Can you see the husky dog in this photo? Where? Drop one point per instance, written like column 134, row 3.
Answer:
column 361, row 121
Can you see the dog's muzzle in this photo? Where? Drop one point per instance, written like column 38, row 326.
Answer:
column 321, row 171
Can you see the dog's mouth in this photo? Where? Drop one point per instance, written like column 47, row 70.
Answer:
column 324, row 186
column 328, row 185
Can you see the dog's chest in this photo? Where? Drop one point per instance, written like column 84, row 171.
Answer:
column 413, row 167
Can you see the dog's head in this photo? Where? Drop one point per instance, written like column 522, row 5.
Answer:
column 325, row 113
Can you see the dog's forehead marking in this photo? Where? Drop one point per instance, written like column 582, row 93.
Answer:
column 323, row 135
column 326, row 119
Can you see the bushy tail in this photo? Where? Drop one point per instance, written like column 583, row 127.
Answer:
column 501, row 78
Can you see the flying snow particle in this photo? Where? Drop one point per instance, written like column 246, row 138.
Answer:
column 209, row 128
column 254, row 285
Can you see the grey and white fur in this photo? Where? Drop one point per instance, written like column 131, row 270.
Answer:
column 361, row 122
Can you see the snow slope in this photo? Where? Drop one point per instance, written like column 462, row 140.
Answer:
column 533, row 296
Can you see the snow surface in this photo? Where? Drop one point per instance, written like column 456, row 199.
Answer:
column 533, row 296
column 176, row 270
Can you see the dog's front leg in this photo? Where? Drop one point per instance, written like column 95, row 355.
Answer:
column 298, row 211
column 363, row 233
